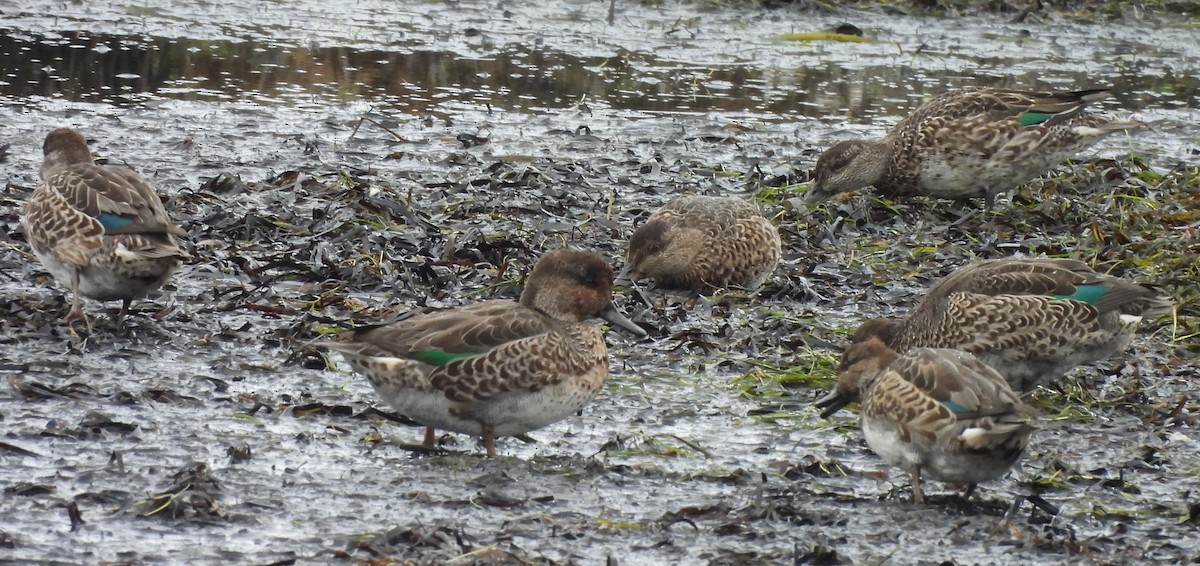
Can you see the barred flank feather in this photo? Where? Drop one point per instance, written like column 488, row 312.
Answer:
column 967, row 143
column 101, row 230
column 497, row 368
column 1031, row 319
column 936, row 413
column 704, row 243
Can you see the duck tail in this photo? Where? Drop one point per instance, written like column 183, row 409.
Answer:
column 1090, row 95
column 1127, row 125
column 1156, row 303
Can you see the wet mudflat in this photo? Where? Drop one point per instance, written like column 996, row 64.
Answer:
column 338, row 164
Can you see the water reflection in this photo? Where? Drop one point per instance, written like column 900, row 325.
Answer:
column 121, row 69
column 96, row 67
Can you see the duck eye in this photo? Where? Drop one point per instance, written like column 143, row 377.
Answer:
column 840, row 162
column 838, row 158
column 588, row 275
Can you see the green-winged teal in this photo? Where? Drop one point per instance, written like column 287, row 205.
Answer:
column 967, row 143
column 704, row 243
column 1031, row 319
column 101, row 230
column 936, row 413
column 500, row 367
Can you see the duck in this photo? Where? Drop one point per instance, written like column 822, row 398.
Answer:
column 103, row 231
column 704, row 243
column 936, row 413
column 500, row 367
column 1032, row 319
column 968, row 143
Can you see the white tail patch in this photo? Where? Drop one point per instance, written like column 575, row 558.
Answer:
column 125, row 253
column 973, row 436
column 1130, row 319
column 368, row 364
column 1089, row 132
column 392, row 364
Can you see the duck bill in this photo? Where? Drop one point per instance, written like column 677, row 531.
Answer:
column 814, row 195
column 831, row 403
column 614, row 317
column 625, row 277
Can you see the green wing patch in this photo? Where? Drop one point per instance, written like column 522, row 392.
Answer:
column 1089, row 294
column 1032, row 118
column 955, row 407
column 441, row 358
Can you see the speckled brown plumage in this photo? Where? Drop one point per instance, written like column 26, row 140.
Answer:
column 497, row 368
column 101, row 230
column 704, row 243
column 1031, row 319
column 967, row 143
column 935, row 413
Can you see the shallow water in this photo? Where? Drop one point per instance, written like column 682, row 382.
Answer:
column 379, row 109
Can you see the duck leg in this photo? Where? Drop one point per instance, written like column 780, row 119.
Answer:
column 76, row 311
column 489, row 441
column 430, row 438
column 918, row 497
column 119, row 319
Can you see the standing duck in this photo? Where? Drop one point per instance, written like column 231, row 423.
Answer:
column 704, row 243
column 967, row 143
column 500, row 367
column 1030, row 319
column 101, row 230
column 936, row 413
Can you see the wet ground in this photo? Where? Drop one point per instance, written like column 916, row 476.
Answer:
column 337, row 164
